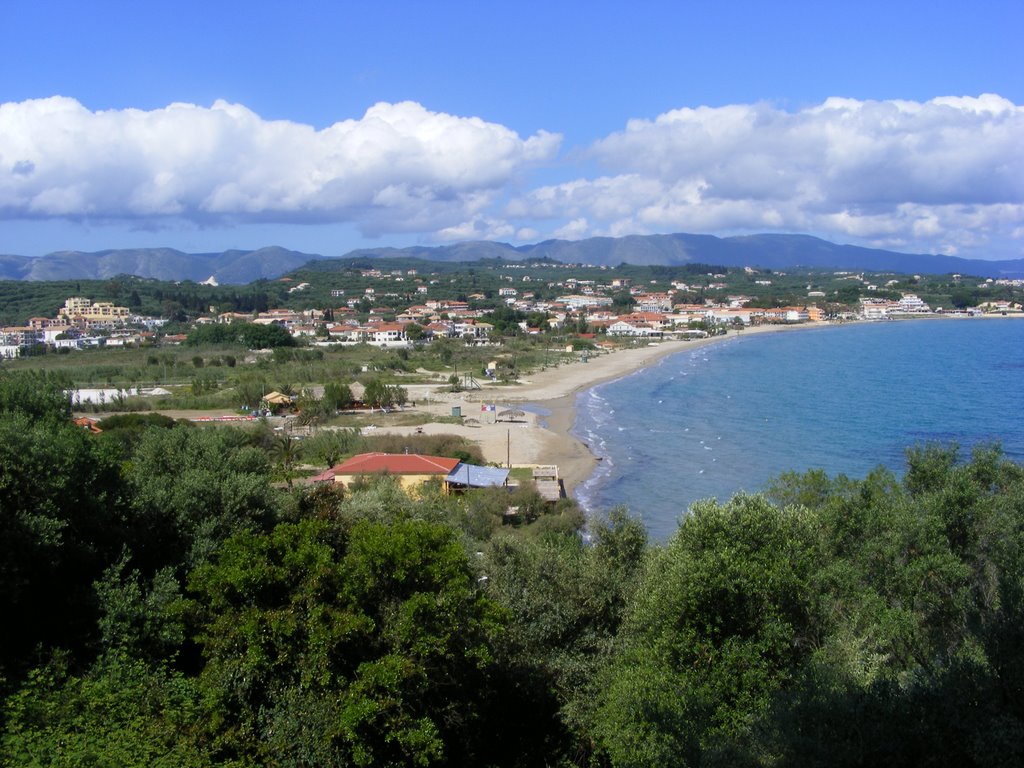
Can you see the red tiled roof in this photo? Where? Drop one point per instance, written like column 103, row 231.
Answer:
column 86, row 423
column 396, row 464
column 327, row 476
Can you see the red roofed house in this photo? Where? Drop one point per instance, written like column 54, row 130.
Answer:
column 411, row 469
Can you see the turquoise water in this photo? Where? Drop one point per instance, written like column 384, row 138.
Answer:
column 730, row 416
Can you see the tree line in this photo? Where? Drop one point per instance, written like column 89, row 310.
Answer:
column 166, row 604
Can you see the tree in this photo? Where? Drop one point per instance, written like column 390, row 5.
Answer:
column 337, row 396
column 286, row 451
column 250, row 389
column 623, row 302
column 190, row 490
column 330, row 445
column 121, row 713
column 921, row 632
column 62, row 522
column 380, row 395
column 329, row 644
column 399, row 396
column 721, row 620
column 252, row 335
column 38, row 395
column 566, row 602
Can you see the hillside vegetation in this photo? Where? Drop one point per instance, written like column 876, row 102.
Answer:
column 166, row 603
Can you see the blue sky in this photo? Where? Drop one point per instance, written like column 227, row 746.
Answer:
column 329, row 126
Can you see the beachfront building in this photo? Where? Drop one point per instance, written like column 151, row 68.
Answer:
column 910, row 304
column 729, row 315
column 625, row 326
column 875, row 309
column 413, row 469
column 999, row 307
column 786, row 315
column 410, row 469
column 654, row 302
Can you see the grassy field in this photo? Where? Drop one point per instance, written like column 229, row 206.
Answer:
column 224, row 376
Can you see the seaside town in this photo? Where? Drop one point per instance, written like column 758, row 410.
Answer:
column 616, row 308
column 419, row 349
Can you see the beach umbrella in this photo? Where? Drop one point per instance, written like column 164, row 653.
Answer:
column 512, row 414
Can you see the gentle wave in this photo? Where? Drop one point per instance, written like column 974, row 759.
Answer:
column 731, row 416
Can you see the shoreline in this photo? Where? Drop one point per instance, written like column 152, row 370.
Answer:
column 557, row 392
column 548, row 438
column 578, row 460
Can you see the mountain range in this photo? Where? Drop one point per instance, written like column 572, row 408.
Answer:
column 233, row 266
column 766, row 251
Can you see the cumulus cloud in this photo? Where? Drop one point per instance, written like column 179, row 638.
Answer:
column 946, row 175
column 481, row 228
column 398, row 168
column 886, row 173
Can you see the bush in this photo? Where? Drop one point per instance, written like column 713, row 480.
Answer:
column 452, row 446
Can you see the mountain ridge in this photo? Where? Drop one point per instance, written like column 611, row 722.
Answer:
column 232, row 266
column 765, row 251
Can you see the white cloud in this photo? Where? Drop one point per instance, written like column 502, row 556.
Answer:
column 573, row 230
column 861, row 171
column 946, row 175
column 398, row 168
column 478, row 229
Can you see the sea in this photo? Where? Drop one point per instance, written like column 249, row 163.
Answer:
column 731, row 416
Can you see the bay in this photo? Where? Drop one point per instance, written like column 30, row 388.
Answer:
column 729, row 417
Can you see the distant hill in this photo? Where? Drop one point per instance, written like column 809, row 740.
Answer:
column 764, row 251
column 159, row 263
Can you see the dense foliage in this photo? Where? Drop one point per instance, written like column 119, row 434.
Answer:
column 250, row 335
column 164, row 604
column 21, row 299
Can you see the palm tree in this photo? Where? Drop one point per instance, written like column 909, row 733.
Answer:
column 286, row 452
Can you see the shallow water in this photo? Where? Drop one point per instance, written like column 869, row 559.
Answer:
column 728, row 417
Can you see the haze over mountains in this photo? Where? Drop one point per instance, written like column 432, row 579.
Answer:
column 233, row 266
column 768, row 251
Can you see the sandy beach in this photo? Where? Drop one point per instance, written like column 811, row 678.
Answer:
column 537, row 439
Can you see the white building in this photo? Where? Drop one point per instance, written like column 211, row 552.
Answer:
column 578, row 301
column 910, row 303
